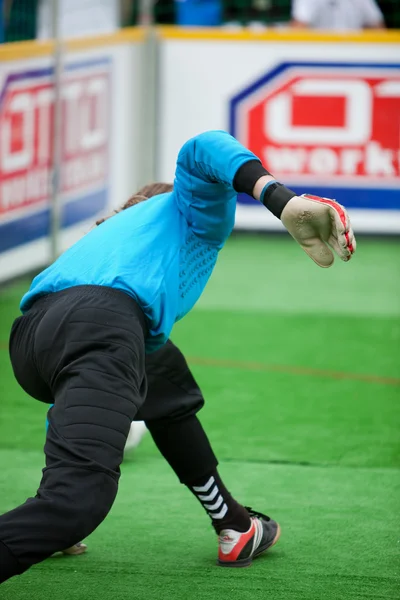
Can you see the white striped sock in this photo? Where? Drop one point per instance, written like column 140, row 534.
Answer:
column 221, row 513
column 206, row 487
column 209, row 497
column 217, row 504
column 218, row 509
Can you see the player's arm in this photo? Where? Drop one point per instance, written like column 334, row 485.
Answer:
column 204, row 183
column 213, row 167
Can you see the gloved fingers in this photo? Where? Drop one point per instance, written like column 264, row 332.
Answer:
column 319, row 252
column 342, row 238
column 316, row 223
column 352, row 243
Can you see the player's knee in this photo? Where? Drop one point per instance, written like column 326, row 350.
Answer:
column 88, row 507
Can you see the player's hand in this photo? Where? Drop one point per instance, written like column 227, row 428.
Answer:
column 319, row 225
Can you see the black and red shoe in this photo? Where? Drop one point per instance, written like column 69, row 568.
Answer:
column 236, row 549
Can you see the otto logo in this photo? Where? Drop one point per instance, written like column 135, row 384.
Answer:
column 26, row 135
column 323, row 121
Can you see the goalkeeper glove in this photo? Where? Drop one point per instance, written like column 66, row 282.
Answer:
column 319, row 225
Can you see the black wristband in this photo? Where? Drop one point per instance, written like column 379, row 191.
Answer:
column 247, row 176
column 275, row 196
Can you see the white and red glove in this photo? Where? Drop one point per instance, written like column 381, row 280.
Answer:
column 319, row 225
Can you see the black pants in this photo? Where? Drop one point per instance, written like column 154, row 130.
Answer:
column 83, row 350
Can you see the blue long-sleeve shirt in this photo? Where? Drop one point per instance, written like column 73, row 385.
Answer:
column 161, row 251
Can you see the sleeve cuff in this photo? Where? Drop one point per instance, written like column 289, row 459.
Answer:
column 247, row 175
column 275, row 196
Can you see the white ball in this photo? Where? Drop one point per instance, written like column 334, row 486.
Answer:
column 136, row 433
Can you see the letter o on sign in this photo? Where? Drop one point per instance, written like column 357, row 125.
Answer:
column 355, row 130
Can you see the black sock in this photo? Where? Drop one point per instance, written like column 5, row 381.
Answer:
column 184, row 444
column 223, row 510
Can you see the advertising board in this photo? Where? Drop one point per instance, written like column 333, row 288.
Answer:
column 332, row 129
column 326, row 126
column 100, row 150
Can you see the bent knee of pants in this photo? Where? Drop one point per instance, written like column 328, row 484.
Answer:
column 69, row 505
column 79, row 504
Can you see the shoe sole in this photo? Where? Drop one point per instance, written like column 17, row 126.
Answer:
column 246, row 562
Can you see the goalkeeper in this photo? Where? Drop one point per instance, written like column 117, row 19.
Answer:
column 89, row 319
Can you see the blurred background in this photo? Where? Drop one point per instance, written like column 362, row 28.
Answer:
column 300, row 366
column 24, row 19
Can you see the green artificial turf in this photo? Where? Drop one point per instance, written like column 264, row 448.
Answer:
column 300, row 370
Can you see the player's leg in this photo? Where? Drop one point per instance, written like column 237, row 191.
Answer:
column 89, row 350
column 80, row 547
column 170, row 412
column 136, row 432
column 75, row 550
column 172, row 403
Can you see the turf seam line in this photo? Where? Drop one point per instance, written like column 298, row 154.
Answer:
column 302, row 463
column 291, row 370
column 285, row 369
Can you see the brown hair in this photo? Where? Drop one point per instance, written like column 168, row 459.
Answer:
column 146, row 192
